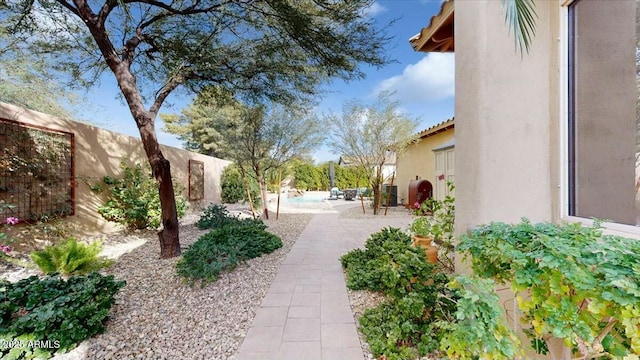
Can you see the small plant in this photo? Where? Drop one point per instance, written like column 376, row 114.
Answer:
column 133, row 200
column 423, row 227
column 70, row 257
column 439, row 226
column 5, row 249
column 216, row 215
column 223, row 248
column 55, row 312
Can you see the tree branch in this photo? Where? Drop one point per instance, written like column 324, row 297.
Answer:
column 69, row 7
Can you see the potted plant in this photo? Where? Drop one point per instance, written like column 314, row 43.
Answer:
column 424, row 231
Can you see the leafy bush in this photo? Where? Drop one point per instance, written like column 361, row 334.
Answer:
column 133, row 200
column 480, row 328
column 70, row 257
column 54, row 312
column 216, row 216
column 572, row 282
column 404, row 326
column 221, row 249
column 233, row 189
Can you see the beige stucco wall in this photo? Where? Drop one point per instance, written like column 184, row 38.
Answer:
column 98, row 152
column 506, row 117
column 419, row 160
column 507, row 122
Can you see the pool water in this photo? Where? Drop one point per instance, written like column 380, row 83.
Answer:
column 302, row 200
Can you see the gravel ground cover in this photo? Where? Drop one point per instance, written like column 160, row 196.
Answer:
column 157, row 316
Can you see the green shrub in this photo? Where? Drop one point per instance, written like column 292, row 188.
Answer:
column 133, row 200
column 405, row 326
column 233, row 189
column 364, row 267
column 398, row 330
column 70, row 257
column 571, row 282
column 53, row 311
column 221, row 249
column 479, row 329
column 216, row 216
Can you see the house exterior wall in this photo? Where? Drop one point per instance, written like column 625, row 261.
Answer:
column 507, row 122
column 98, row 152
column 419, row 160
column 506, row 117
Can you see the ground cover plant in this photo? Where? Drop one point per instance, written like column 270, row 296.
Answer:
column 42, row 316
column 231, row 241
column 70, row 257
column 571, row 282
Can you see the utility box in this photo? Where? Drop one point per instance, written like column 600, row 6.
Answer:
column 393, row 199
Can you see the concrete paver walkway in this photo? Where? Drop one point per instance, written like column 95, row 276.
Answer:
column 306, row 312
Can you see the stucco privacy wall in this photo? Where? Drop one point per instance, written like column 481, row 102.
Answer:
column 419, row 160
column 98, row 152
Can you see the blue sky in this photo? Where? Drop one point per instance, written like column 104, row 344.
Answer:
column 423, row 83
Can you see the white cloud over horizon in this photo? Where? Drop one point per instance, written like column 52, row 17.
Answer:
column 374, row 9
column 430, row 79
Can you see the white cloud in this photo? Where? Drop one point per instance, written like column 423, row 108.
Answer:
column 374, row 9
column 430, row 79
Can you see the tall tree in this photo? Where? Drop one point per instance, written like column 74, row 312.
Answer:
column 268, row 138
column 272, row 49
column 368, row 135
column 201, row 124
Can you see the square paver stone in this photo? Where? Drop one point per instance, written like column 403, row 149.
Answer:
column 301, row 330
column 335, row 315
column 298, row 350
column 270, row 316
column 310, row 299
column 262, row 339
column 351, row 353
column 256, row 356
column 282, row 287
column 307, row 289
column 275, row 299
column 339, row 336
column 304, row 312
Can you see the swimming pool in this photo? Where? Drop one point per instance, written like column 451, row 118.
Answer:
column 302, row 199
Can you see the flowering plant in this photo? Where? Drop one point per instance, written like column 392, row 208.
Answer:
column 425, row 208
column 11, row 220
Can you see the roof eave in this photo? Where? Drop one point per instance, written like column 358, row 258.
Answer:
column 438, row 36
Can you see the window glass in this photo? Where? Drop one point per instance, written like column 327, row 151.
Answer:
column 603, row 111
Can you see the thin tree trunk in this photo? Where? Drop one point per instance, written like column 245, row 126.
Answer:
column 263, row 191
column 279, row 190
column 246, row 186
column 161, row 168
column 120, row 65
column 389, row 193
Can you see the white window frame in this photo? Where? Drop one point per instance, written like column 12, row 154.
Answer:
column 563, row 57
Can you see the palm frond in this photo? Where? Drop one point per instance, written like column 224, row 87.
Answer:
column 520, row 17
